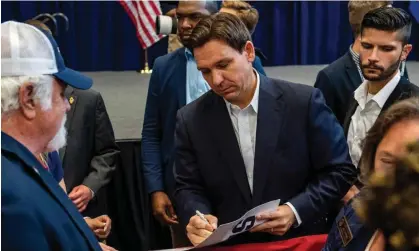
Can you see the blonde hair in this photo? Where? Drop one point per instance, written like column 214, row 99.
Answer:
column 247, row 14
column 38, row 24
column 357, row 10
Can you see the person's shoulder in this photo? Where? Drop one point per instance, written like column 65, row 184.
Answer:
column 337, row 66
column 291, row 89
column 169, row 59
column 15, row 185
column 195, row 108
column 414, row 88
column 89, row 93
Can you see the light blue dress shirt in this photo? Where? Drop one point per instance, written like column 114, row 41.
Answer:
column 195, row 82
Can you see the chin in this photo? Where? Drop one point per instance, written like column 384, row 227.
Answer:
column 230, row 97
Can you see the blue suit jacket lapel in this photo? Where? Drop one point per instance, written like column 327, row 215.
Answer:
column 180, row 76
column 271, row 112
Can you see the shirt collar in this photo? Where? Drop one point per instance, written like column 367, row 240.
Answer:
column 354, row 55
column 255, row 100
column 381, row 97
column 188, row 54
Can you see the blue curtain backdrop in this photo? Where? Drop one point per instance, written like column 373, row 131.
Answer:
column 102, row 37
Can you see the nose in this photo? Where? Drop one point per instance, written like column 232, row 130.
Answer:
column 185, row 23
column 373, row 57
column 217, row 78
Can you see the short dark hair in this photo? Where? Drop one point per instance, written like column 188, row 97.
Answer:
column 389, row 19
column 225, row 27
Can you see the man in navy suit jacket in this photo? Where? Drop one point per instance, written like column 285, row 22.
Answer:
column 252, row 139
column 340, row 79
column 170, row 89
column 175, row 81
column 36, row 213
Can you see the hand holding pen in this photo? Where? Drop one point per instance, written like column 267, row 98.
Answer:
column 200, row 227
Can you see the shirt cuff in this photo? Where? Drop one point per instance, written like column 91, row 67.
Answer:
column 93, row 193
column 297, row 216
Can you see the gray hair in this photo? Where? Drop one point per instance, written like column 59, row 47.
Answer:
column 10, row 91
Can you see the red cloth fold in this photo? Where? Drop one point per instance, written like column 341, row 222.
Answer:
column 305, row 243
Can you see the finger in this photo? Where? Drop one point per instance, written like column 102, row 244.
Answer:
column 104, row 218
column 160, row 213
column 195, row 239
column 110, row 249
column 82, row 208
column 172, row 212
column 269, row 215
column 107, row 248
column 168, row 219
column 265, row 226
column 78, row 201
column 198, row 223
column 198, row 231
column 81, row 203
column 74, row 195
column 212, row 220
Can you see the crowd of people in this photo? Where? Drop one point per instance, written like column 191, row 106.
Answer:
column 219, row 137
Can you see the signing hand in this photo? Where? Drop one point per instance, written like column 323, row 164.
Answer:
column 81, row 195
column 279, row 221
column 161, row 204
column 198, row 230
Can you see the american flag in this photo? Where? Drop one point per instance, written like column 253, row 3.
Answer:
column 143, row 14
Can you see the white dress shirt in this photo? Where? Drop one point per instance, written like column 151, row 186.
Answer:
column 369, row 107
column 245, row 123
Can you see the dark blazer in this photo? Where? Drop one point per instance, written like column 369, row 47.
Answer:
column 36, row 214
column 91, row 152
column 166, row 94
column 301, row 157
column 403, row 90
column 347, row 219
column 337, row 82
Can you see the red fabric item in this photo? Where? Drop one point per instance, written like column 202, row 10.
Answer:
column 305, row 243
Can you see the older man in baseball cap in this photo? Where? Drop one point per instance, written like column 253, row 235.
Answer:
column 36, row 213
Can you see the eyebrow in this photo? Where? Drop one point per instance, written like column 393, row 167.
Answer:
column 387, row 154
column 224, row 60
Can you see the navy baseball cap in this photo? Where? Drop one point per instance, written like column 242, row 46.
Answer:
column 31, row 51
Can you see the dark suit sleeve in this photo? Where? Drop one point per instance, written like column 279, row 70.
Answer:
column 189, row 192
column 326, row 86
column 19, row 223
column 103, row 164
column 333, row 171
column 151, row 136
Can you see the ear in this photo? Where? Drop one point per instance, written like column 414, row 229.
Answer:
column 26, row 100
column 249, row 51
column 405, row 52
